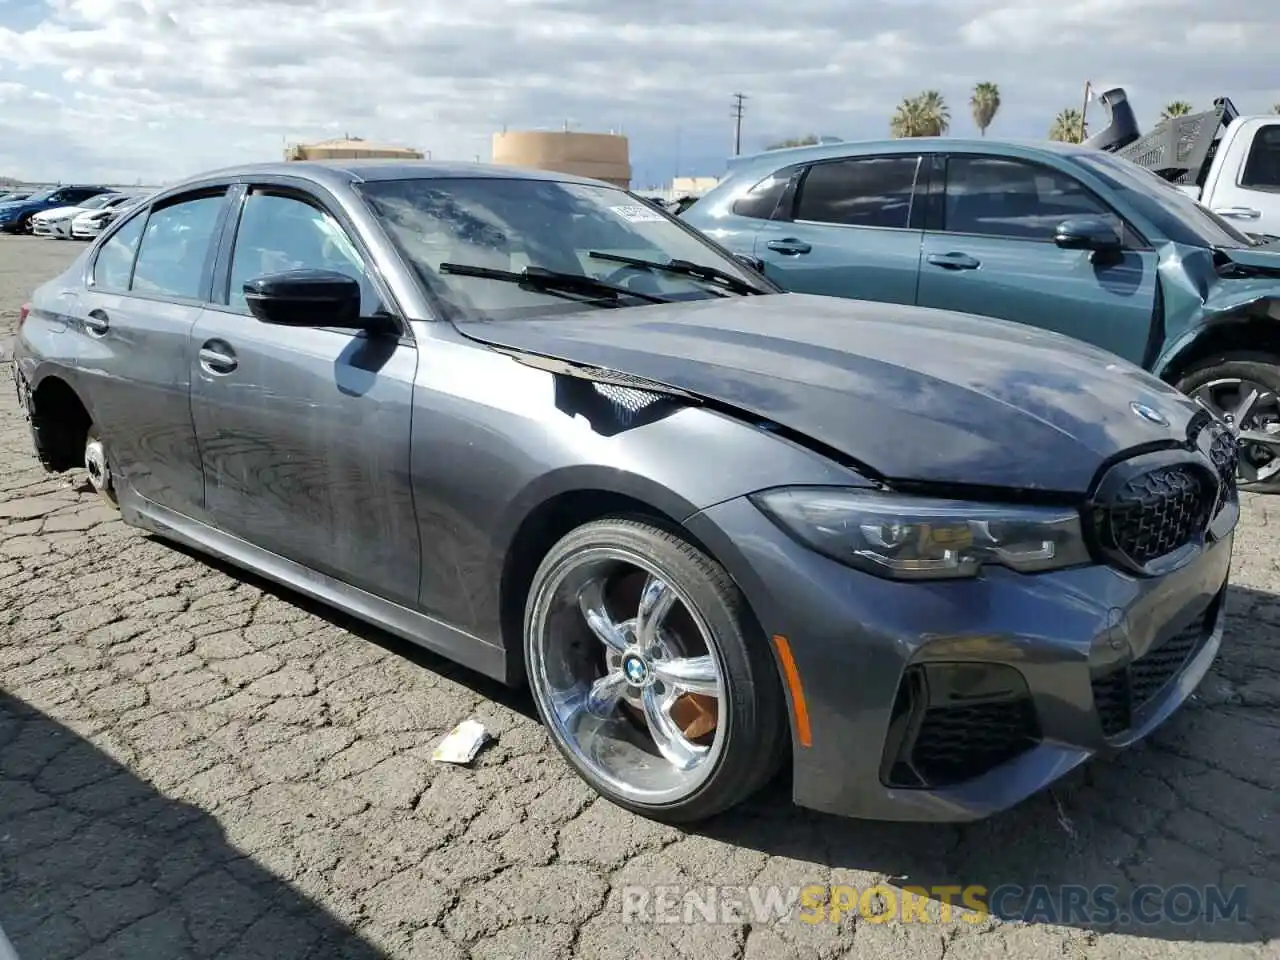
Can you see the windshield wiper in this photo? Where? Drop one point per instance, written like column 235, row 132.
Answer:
column 551, row 281
column 685, row 268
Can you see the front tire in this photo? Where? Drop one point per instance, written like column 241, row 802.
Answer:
column 650, row 674
column 1244, row 390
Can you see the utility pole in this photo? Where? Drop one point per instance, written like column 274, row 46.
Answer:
column 737, row 122
column 1088, row 92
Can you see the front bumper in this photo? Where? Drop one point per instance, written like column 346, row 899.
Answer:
column 86, row 231
column 955, row 700
column 51, row 228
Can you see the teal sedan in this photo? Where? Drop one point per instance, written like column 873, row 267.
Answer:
column 1059, row 236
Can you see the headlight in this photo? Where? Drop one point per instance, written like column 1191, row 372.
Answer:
column 915, row 538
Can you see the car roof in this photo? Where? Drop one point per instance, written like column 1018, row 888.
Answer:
column 775, row 159
column 333, row 173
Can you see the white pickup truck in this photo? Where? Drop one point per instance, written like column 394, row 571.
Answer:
column 1229, row 162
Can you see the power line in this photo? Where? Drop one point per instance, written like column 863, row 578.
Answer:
column 737, row 122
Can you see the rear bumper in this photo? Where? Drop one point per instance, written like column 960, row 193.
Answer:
column 955, row 700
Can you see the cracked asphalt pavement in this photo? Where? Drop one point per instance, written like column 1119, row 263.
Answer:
column 194, row 763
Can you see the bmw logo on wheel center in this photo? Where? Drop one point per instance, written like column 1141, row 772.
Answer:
column 1147, row 413
column 635, row 669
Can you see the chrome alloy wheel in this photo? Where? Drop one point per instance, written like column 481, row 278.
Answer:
column 95, row 464
column 1252, row 411
column 628, row 674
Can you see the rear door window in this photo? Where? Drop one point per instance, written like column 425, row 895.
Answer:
column 862, row 192
column 173, row 257
column 114, row 265
column 760, row 202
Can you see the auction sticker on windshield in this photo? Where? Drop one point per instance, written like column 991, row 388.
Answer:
column 638, row 213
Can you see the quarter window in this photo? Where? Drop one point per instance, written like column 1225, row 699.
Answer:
column 114, row 265
column 994, row 196
column 279, row 232
column 175, row 248
column 1262, row 168
column 867, row 192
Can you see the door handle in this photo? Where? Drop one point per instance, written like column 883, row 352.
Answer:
column 96, row 322
column 789, row 246
column 218, row 357
column 954, row 261
column 1239, row 213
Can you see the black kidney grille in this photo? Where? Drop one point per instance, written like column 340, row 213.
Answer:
column 1157, row 512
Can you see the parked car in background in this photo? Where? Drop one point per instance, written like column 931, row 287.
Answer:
column 89, row 223
column 1073, row 239
column 11, row 197
column 57, row 222
column 16, row 216
column 1227, row 161
column 539, row 426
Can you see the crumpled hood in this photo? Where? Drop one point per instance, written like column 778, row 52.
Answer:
column 912, row 394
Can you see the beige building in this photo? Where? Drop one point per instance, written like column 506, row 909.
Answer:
column 602, row 156
column 692, row 186
column 352, row 148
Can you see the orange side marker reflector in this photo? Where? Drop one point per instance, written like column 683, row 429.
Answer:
column 798, row 704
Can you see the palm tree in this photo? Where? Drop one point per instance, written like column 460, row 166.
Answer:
column 1178, row 108
column 984, row 103
column 1067, row 126
column 908, row 119
column 937, row 116
column 925, row 115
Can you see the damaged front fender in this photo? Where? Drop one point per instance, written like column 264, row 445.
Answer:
column 1205, row 289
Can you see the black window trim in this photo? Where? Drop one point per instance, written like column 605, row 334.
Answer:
column 305, row 192
column 1248, row 155
column 1132, row 237
column 194, row 192
column 796, row 188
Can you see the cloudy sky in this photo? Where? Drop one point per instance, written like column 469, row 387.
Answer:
column 151, row 90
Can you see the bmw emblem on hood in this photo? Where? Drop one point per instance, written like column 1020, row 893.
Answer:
column 1149, row 414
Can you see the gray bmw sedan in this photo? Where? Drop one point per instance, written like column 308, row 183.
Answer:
column 931, row 562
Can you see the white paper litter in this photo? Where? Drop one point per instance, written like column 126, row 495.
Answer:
column 462, row 743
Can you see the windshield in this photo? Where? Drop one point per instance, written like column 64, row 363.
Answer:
column 94, row 203
column 41, row 196
column 511, row 224
column 1179, row 216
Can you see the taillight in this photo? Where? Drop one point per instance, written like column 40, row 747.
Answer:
column 22, row 314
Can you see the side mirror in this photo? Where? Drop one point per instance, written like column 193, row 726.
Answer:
column 307, row 298
column 754, row 263
column 1088, row 233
